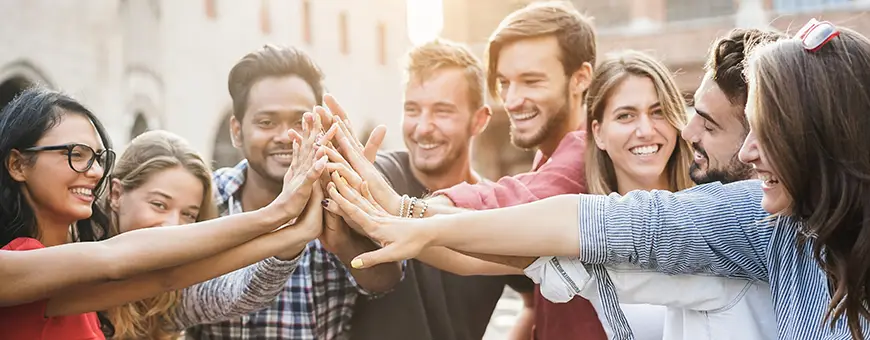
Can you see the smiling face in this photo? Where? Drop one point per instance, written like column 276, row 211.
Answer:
column 438, row 123
column 54, row 190
column 635, row 133
column 275, row 105
column 716, row 132
column 534, row 88
column 168, row 197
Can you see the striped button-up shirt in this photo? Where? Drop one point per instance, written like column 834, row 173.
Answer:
column 713, row 228
column 315, row 304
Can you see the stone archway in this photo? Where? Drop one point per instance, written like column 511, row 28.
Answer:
column 224, row 154
column 16, row 77
column 11, row 87
column 140, row 125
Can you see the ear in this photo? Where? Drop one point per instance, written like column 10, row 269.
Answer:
column 480, row 120
column 115, row 195
column 16, row 166
column 580, row 79
column 596, row 134
column 236, row 132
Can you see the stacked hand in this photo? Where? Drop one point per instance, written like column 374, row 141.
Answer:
column 360, row 200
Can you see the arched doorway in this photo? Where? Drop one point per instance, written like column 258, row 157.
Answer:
column 140, row 125
column 11, row 87
column 225, row 154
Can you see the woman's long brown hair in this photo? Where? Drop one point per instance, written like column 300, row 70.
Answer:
column 811, row 114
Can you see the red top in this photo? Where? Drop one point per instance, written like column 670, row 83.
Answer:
column 561, row 173
column 28, row 321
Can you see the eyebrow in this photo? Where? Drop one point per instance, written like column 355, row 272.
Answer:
column 707, row 117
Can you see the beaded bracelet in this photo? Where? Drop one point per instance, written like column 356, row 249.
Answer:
column 411, row 207
column 402, row 207
column 423, row 208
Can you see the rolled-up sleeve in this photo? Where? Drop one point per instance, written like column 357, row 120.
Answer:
column 709, row 228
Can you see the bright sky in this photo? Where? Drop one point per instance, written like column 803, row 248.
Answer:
column 425, row 20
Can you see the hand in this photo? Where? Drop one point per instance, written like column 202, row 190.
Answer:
column 400, row 238
column 309, row 224
column 352, row 163
column 337, row 113
column 303, row 171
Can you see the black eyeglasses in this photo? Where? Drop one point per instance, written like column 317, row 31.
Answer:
column 80, row 156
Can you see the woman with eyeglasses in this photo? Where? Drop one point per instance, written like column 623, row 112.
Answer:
column 56, row 155
column 804, row 227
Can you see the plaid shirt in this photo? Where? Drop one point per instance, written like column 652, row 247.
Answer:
column 317, row 302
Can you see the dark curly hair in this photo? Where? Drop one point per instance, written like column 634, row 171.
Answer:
column 726, row 60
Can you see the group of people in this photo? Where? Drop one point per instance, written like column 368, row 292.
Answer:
column 741, row 210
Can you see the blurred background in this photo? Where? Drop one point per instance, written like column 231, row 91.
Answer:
column 161, row 64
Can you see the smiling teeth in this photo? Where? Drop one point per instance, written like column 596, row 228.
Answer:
column 283, row 155
column 82, row 191
column 524, row 115
column 768, row 179
column 428, row 146
column 645, row 150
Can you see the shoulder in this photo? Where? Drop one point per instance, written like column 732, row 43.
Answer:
column 23, row 243
column 394, row 165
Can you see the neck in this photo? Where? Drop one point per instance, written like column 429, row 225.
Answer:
column 459, row 171
column 575, row 120
column 626, row 183
column 258, row 192
column 52, row 233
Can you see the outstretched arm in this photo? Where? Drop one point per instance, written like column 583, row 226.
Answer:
column 292, row 239
column 710, row 227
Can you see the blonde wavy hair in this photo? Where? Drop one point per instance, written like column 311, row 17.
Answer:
column 148, row 154
column 612, row 71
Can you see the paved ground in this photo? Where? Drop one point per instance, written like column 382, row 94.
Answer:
column 504, row 316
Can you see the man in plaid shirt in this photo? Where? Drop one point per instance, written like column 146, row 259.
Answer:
column 271, row 88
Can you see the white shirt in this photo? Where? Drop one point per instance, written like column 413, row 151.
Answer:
column 698, row 306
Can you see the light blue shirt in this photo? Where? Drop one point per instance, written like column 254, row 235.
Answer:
column 712, row 228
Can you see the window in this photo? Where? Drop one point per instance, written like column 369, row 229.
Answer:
column 306, row 22
column 344, row 43
column 211, row 9
column 681, row 10
column 613, row 13
column 382, row 43
column 265, row 19
column 804, row 5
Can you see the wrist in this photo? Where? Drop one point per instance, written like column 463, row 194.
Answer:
column 273, row 215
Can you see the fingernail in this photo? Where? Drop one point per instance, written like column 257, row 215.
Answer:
column 324, row 203
column 356, row 263
column 343, row 181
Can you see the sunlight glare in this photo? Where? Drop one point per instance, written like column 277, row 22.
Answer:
column 425, row 20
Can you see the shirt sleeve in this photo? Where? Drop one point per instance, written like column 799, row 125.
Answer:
column 638, row 286
column 234, row 294
column 709, row 228
column 564, row 173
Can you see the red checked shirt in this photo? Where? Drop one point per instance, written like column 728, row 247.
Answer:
column 561, row 173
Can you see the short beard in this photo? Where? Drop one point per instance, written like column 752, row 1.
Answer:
column 549, row 127
column 733, row 172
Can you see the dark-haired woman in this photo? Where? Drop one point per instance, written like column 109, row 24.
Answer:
column 56, row 154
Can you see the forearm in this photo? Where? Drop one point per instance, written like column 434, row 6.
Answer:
column 377, row 279
column 545, row 227
column 518, row 263
column 88, row 298
column 234, row 294
column 440, row 204
column 460, row 264
column 154, row 248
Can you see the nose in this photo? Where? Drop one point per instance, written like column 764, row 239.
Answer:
column 425, row 123
column 749, row 152
column 171, row 219
column 691, row 132
column 513, row 100
column 644, row 126
column 96, row 170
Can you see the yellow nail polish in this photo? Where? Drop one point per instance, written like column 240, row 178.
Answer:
column 356, row 263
